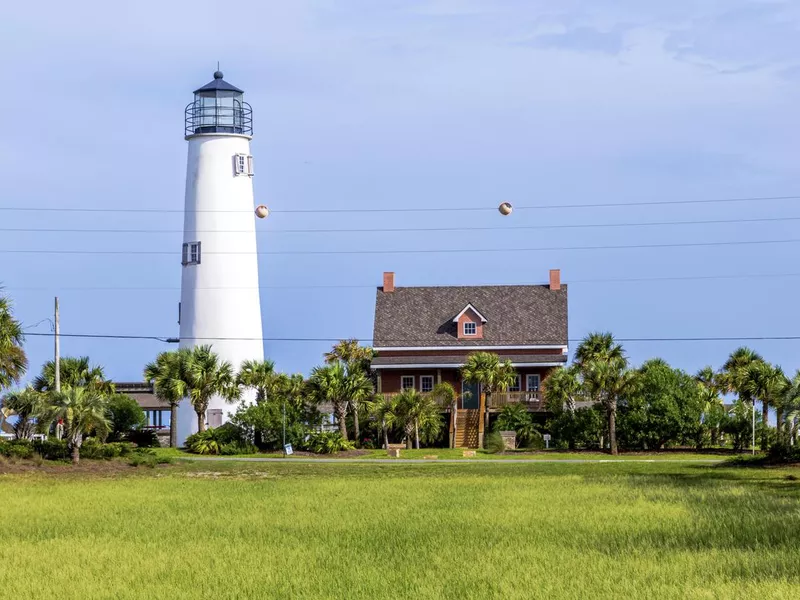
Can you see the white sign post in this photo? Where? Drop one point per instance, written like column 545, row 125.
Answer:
column 546, row 437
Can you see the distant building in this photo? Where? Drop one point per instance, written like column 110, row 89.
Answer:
column 423, row 335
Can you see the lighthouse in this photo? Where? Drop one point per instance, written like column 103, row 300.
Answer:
column 220, row 303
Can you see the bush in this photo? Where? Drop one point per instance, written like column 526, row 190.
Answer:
column 494, row 443
column 52, row 449
column 515, row 417
column 16, row 448
column 535, row 442
column 93, row 449
column 124, row 415
column 328, row 442
column 237, row 448
column 146, row 457
column 581, row 429
column 143, row 438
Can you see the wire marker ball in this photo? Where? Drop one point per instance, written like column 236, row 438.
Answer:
column 262, row 211
column 505, row 209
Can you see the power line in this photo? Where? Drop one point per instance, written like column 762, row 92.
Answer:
column 406, row 341
column 412, row 251
column 407, row 209
column 413, row 229
column 374, row 286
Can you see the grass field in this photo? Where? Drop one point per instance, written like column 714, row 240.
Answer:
column 255, row 530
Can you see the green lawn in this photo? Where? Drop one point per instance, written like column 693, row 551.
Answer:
column 458, row 453
column 300, row 530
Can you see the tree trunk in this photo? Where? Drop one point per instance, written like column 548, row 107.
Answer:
column 201, row 420
column 409, row 440
column 764, row 421
column 355, row 424
column 612, row 429
column 416, row 433
column 385, row 436
column 341, row 417
column 173, row 426
column 76, row 451
column 779, row 424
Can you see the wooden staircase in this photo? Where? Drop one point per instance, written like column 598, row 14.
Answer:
column 467, row 422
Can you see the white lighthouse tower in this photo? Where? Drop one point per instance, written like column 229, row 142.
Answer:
column 220, row 303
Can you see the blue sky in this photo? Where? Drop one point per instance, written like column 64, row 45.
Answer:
column 411, row 103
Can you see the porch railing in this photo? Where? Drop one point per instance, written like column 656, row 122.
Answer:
column 533, row 400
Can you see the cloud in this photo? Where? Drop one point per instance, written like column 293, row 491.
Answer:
column 582, row 39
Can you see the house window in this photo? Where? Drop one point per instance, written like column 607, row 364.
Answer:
column 407, row 382
column 470, row 328
column 515, row 386
column 532, row 383
column 426, row 383
column 243, row 164
column 191, row 254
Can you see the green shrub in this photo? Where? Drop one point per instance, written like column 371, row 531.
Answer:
column 124, row 415
column 148, row 458
column 494, row 443
column 93, row 449
column 16, row 448
column 52, row 449
column 535, row 442
column 515, row 417
column 143, row 438
column 237, row 448
column 213, row 441
column 328, row 442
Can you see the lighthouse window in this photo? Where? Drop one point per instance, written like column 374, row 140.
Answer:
column 243, row 164
column 191, row 253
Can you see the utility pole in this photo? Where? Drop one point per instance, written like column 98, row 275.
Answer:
column 754, row 426
column 57, row 360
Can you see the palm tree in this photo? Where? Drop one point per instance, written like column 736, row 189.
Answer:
column 327, row 386
column 209, row 376
column 28, row 406
column 486, row 370
column 768, row 384
column 607, row 382
column 349, row 352
column 604, row 367
column 419, row 414
column 82, row 411
column 358, row 389
column 338, row 385
column 13, row 361
column 75, row 372
column 598, row 346
column 710, row 385
column 791, row 402
column 383, row 408
column 170, row 379
column 259, row 375
column 563, row 386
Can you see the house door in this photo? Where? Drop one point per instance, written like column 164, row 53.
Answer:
column 471, row 395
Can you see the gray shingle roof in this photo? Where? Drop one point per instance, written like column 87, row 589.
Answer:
column 459, row 360
column 516, row 315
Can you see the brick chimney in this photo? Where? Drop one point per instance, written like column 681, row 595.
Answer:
column 555, row 279
column 388, row 282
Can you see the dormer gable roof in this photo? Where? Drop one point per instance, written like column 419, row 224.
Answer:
column 473, row 309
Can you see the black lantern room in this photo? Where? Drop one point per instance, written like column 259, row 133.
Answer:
column 219, row 107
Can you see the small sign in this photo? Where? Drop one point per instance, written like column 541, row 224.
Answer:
column 288, row 449
column 546, row 437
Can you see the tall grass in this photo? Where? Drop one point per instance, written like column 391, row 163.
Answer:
column 225, row 530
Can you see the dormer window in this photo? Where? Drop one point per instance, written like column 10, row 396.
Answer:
column 469, row 323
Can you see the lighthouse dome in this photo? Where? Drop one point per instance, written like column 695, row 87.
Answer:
column 219, row 107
